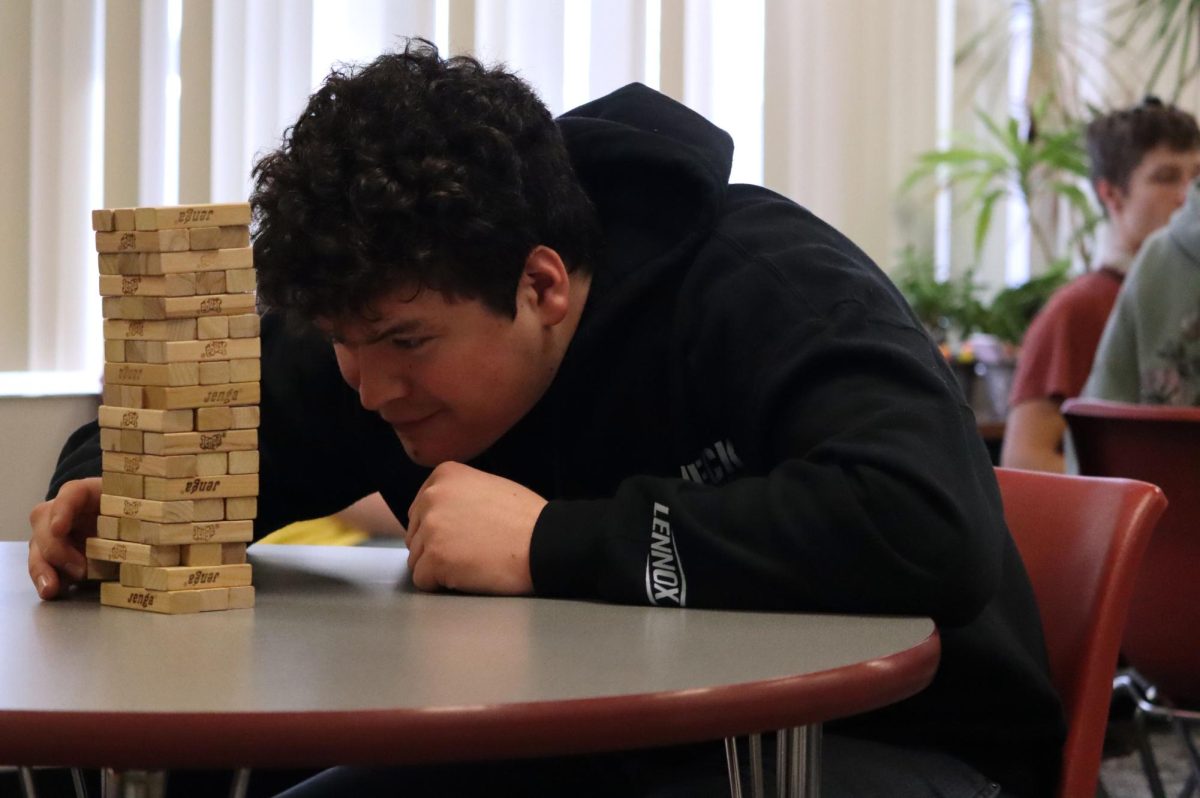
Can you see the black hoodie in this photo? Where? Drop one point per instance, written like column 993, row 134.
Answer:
column 748, row 416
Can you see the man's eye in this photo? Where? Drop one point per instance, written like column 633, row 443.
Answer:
column 409, row 343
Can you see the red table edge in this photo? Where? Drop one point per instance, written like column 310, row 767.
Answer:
column 154, row 740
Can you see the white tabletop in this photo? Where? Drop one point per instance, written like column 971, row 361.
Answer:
column 343, row 661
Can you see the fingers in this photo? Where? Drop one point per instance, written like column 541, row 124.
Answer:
column 58, row 528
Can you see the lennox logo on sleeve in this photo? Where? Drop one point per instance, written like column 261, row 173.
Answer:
column 665, row 582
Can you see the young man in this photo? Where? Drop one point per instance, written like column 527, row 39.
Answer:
column 1151, row 345
column 549, row 345
column 1142, row 160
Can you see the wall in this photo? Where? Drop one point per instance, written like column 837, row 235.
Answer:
column 33, row 430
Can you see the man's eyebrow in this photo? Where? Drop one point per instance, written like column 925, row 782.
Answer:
column 405, row 327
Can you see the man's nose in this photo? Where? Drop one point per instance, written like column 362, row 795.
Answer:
column 369, row 376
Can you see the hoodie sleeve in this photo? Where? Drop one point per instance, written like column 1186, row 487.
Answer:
column 865, row 487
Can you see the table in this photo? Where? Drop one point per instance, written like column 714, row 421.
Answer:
column 342, row 658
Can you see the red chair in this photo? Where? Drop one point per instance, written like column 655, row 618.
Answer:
column 1158, row 444
column 1082, row 541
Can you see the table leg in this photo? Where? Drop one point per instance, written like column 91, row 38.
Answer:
column 731, row 765
column 133, row 783
column 798, row 756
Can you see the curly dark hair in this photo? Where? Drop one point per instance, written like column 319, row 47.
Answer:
column 415, row 171
column 1118, row 141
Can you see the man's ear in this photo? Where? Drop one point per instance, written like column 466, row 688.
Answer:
column 1111, row 196
column 546, row 284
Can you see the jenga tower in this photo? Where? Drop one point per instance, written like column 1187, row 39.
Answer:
column 179, row 420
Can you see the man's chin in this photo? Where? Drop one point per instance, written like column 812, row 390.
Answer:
column 429, row 456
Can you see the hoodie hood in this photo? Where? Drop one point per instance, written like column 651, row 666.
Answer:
column 656, row 171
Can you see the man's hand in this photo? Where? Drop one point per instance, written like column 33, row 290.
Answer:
column 469, row 530
column 59, row 528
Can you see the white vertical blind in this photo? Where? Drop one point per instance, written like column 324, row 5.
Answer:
column 125, row 102
column 63, row 299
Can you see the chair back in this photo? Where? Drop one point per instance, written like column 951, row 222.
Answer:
column 1158, row 444
column 1082, row 541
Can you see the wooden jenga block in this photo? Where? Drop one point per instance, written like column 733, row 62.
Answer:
column 116, row 483
column 102, row 220
column 166, row 330
column 214, row 372
column 108, row 527
column 213, row 327
column 200, row 554
column 247, row 325
column 210, row 283
column 153, row 285
column 104, row 571
column 123, row 395
column 136, row 553
column 189, row 351
column 239, row 509
column 131, row 441
column 156, row 374
column 208, row 510
column 168, row 602
column 212, row 464
column 241, row 598
column 233, row 393
column 240, row 281
column 212, row 418
column 172, row 443
column 114, row 351
column 179, row 534
column 246, row 417
column 246, row 369
column 224, row 486
column 118, row 262
column 175, row 307
column 143, row 241
column 124, row 219
column 206, row 215
column 202, row 261
column 184, row 577
column 228, row 237
column 233, row 553
column 146, row 420
column 175, row 467
column 147, row 510
column 243, row 462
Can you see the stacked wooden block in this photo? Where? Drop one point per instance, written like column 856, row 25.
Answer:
column 179, row 418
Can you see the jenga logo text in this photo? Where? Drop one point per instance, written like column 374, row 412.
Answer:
column 204, row 531
column 223, row 396
column 119, row 551
column 201, row 485
column 129, row 373
column 193, row 215
column 131, row 507
column 211, row 305
column 141, row 599
column 202, row 577
column 128, row 241
column 213, row 441
column 136, row 329
column 132, row 465
column 130, row 285
column 215, row 349
column 129, row 418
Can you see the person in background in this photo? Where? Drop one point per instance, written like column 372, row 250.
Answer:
column 1142, row 160
column 1150, row 350
column 576, row 362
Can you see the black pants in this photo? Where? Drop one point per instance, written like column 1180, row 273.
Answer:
column 850, row 768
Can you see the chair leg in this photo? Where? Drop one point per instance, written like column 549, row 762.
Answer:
column 28, row 789
column 1183, row 729
column 1149, row 765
